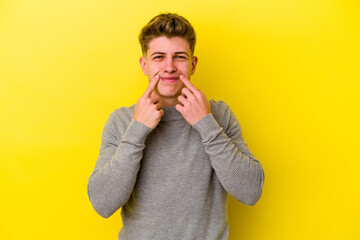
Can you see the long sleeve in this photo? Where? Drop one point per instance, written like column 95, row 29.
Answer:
column 239, row 172
column 112, row 181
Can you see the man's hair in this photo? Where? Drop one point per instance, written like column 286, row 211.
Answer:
column 168, row 25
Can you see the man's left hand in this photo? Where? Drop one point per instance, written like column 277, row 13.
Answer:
column 193, row 104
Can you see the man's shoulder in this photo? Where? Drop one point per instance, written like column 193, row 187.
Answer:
column 218, row 104
column 120, row 117
column 221, row 112
column 123, row 112
column 219, row 108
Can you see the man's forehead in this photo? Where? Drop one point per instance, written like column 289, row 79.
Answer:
column 165, row 45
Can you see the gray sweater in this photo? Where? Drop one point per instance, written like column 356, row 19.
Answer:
column 171, row 182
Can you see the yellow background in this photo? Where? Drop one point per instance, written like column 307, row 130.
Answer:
column 289, row 70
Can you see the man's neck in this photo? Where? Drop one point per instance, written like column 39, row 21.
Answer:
column 168, row 102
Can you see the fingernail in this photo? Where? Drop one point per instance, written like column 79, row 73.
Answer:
column 181, row 76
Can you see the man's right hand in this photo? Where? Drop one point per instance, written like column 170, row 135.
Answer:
column 148, row 109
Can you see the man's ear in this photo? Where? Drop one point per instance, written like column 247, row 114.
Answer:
column 194, row 62
column 142, row 62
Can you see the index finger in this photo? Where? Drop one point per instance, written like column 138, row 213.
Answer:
column 188, row 84
column 151, row 86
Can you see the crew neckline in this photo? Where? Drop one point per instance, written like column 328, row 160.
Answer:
column 171, row 114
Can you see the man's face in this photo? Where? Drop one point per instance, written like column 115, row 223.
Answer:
column 169, row 58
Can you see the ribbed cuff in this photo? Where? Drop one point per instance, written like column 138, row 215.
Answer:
column 208, row 127
column 136, row 132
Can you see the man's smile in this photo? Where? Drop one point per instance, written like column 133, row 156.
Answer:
column 170, row 79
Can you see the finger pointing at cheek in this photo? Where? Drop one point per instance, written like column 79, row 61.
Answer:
column 187, row 83
column 193, row 104
column 148, row 109
column 151, row 86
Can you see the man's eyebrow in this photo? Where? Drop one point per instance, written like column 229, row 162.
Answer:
column 165, row 53
column 157, row 53
column 182, row 53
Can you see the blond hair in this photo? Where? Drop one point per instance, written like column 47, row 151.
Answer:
column 169, row 25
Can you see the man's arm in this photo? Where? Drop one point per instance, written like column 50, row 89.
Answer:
column 113, row 179
column 123, row 141
column 241, row 175
column 239, row 172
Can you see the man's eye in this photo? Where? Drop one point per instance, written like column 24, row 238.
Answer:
column 180, row 57
column 158, row 57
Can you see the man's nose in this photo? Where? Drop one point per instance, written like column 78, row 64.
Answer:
column 170, row 65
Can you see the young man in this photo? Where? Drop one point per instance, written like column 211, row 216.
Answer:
column 169, row 160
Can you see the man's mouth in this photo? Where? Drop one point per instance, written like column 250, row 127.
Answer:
column 169, row 79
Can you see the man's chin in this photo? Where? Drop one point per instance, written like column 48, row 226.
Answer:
column 167, row 92
column 168, row 95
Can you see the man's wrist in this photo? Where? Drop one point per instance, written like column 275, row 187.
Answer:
column 136, row 132
column 207, row 127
